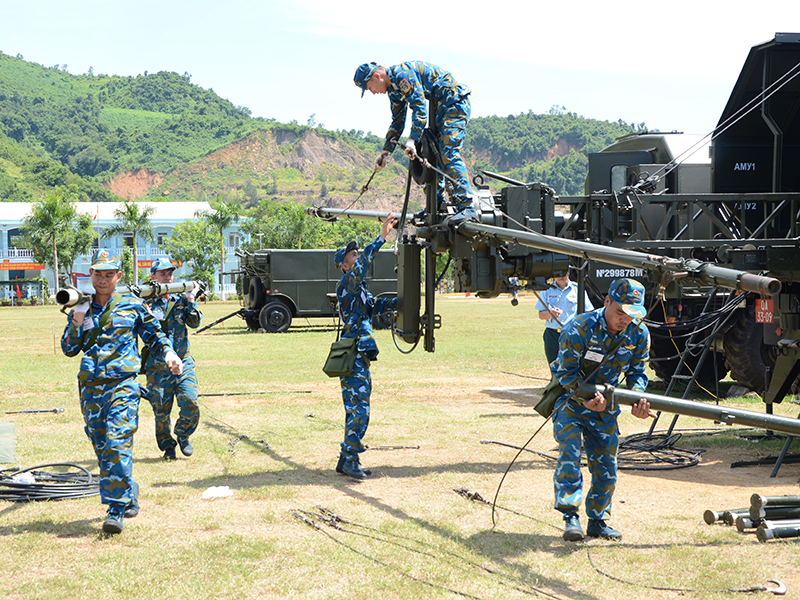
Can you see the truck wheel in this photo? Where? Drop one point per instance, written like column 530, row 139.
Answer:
column 663, row 348
column 745, row 353
column 255, row 294
column 275, row 317
column 252, row 323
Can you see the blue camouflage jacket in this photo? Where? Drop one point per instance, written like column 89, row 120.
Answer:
column 586, row 341
column 357, row 304
column 412, row 83
column 115, row 353
column 175, row 313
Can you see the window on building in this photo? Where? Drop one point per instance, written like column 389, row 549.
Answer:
column 161, row 238
column 127, row 240
column 233, row 239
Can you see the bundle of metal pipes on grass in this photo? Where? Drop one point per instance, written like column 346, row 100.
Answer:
column 772, row 517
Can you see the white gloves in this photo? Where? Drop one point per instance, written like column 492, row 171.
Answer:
column 82, row 308
column 411, row 148
column 174, row 362
column 380, row 162
column 192, row 294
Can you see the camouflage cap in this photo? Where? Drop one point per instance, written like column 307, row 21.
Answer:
column 629, row 294
column 104, row 259
column 338, row 258
column 363, row 75
column 161, row 264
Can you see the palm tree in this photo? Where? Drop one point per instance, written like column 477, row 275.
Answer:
column 48, row 221
column 133, row 218
column 223, row 214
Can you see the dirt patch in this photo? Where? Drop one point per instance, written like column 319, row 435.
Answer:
column 133, row 184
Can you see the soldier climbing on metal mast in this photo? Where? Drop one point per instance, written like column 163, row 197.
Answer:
column 409, row 85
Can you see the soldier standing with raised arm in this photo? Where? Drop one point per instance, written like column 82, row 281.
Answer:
column 105, row 329
column 356, row 307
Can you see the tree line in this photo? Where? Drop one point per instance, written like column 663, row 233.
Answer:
column 58, row 234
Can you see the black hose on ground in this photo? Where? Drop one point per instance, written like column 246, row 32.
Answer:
column 48, row 485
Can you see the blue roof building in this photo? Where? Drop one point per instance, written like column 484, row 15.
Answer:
column 17, row 262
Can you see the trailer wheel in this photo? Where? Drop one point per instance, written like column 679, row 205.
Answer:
column 252, row 323
column 275, row 317
column 745, row 353
column 255, row 294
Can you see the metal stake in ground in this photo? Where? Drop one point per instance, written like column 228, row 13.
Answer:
column 43, row 410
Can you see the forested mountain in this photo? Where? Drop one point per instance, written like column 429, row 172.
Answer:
column 159, row 136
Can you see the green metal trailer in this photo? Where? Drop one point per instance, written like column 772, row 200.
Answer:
column 279, row 285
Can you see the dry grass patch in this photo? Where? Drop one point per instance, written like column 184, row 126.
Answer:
column 274, row 440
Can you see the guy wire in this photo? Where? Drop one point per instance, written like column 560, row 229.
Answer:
column 329, row 518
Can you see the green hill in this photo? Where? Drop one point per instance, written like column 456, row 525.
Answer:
column 27, row 177
column 158, row 135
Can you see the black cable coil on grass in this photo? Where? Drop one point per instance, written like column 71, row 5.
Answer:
column 77, row 482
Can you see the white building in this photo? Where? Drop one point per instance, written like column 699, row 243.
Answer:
column 17, row 263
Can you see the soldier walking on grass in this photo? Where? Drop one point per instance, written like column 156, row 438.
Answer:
column 175, row 312
column 105, row 329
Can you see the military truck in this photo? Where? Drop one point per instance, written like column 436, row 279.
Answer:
column 279, row 285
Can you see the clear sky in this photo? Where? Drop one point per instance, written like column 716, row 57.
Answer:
column 669, row 65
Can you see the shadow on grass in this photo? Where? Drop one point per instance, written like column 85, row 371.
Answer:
column 69, row 529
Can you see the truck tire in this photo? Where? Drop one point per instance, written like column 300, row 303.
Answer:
column 256, row 296
column 662, row 347
column 252, row 323
column 275, row 317
column 745, row 353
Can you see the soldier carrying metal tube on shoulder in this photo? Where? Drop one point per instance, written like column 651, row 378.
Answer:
column 105, row 327
column 175, row 312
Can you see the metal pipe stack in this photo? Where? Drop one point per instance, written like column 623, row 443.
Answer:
column 773, row 517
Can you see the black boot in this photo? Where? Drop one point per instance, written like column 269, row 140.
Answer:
column 340, row 466
column 599, row 529
column 573, row 532
column 353, row 469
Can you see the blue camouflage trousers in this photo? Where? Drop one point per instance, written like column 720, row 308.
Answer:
column 571, row 422
column 356, row 391
column 111, row 417
column 163, row 388
column 451, row 125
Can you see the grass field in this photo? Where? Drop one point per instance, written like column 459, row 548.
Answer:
column 271, row 422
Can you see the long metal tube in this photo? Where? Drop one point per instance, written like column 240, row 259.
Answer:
column 689, row 408
column 70, row 296
column 707, row 273
column 153, row 289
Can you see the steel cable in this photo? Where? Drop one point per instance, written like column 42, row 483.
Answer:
column 49, row 485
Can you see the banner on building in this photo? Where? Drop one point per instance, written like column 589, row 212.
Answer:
column 20, row 266
column 146, row 264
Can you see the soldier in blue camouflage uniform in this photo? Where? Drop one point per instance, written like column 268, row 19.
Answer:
column 409, row 85
column 585, row 343
column 106, row 330
column 175, row 312
column 356, row 307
